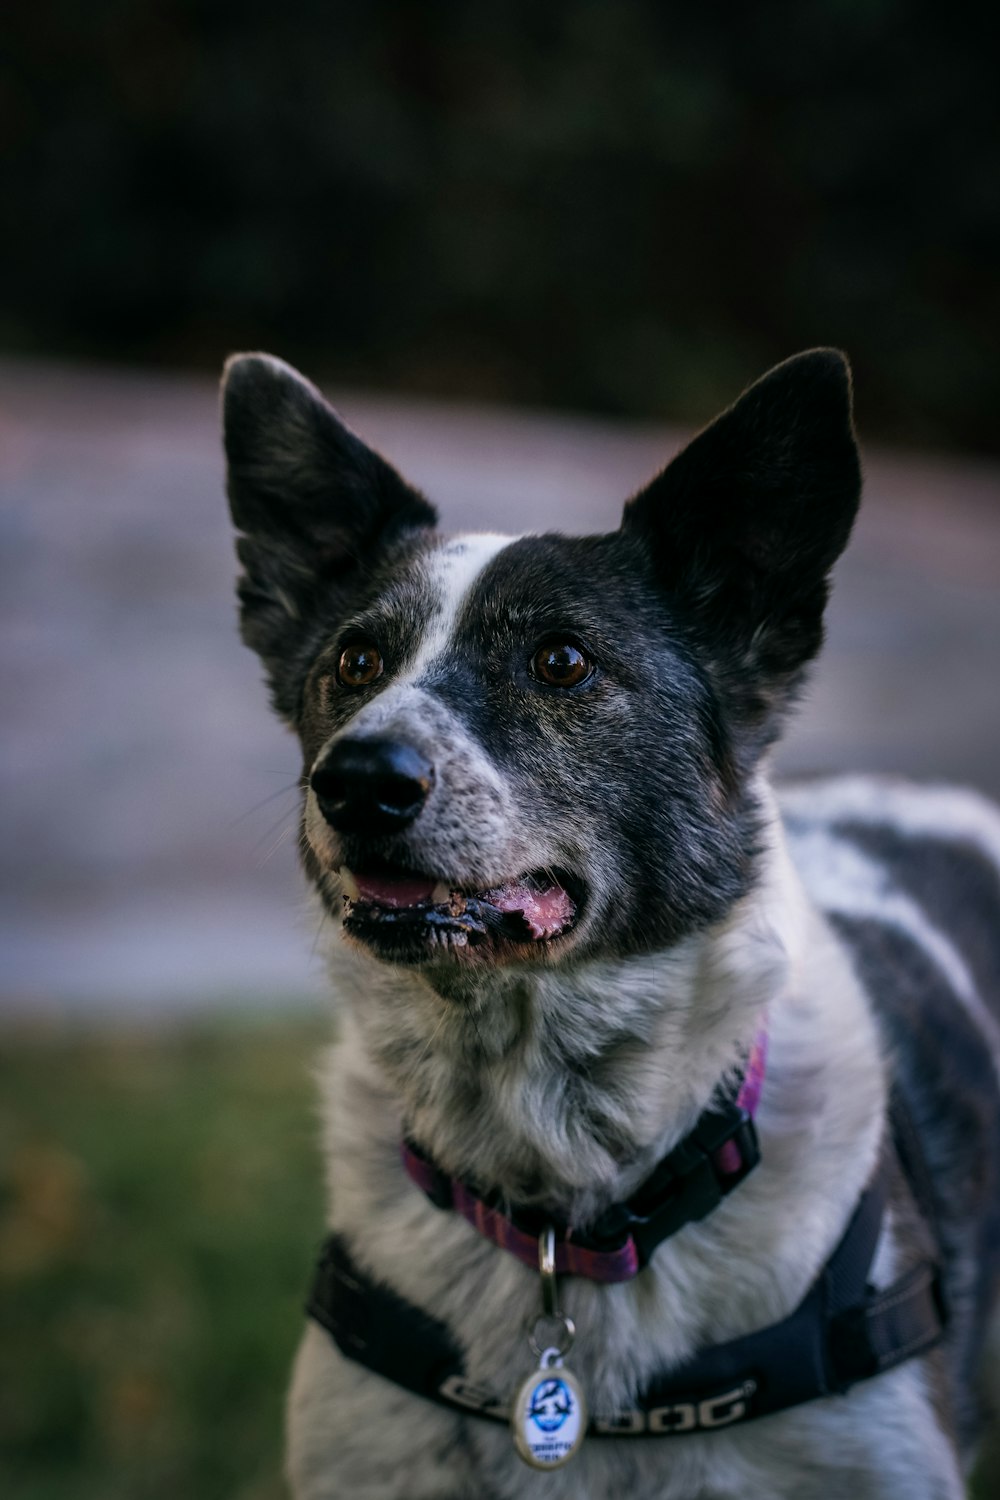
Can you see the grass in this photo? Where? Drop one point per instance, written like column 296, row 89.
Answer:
column 159, row 1206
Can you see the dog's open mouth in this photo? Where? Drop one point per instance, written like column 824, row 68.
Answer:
column 412, row 916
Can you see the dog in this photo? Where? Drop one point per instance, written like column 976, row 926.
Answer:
column 663, row 1121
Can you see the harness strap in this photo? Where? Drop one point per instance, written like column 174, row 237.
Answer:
column 842, row 1332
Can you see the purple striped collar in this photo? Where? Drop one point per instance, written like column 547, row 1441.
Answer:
column 686, row 1185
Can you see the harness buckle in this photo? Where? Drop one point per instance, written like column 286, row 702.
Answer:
column 725, row 1150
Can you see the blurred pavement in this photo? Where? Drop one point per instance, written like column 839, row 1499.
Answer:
column 147, row 828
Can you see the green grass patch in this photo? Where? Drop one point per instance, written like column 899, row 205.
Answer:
column 160, row 1203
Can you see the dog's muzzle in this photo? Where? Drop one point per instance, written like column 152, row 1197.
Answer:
column 397, row 898
column 372, row 786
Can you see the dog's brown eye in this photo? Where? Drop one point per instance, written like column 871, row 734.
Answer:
column 561, row 665
column 359, row 664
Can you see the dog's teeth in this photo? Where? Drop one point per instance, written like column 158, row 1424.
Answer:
column 441, row 893
column 349, row 883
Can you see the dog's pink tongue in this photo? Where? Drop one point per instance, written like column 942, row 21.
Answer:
column 545, row 912
column 392, row 890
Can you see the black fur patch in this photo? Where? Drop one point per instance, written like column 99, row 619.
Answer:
column 746, row 523
column 949, row 1081
column 318, row 509
column 953, row 882
column 636, row 760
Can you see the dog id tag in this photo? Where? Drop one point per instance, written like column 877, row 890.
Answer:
column 548, row 1415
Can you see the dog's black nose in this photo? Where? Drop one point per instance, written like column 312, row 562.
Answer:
column 372, row 786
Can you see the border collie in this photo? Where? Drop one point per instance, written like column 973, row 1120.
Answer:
column 663, row 1120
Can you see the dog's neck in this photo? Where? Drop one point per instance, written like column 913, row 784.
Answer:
column 562, row 1087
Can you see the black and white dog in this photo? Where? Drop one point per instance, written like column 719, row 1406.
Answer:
column 726, row 1062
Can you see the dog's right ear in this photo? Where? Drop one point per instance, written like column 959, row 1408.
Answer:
column 316, row 508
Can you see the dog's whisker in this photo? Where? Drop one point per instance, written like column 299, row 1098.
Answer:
column 269, row 770
column 323, row 919
column 281, row 792
column 274, row 848
column 285, row 818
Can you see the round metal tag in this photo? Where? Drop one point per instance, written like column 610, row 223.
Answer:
column 548, row 1415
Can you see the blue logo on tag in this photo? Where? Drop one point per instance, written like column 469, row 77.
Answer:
column 551, row 1405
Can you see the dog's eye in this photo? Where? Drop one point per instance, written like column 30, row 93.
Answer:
column 360, row 663
column 561, row 664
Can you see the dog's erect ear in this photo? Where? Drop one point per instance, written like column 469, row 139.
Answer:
column 317, row 508
column 746, row 522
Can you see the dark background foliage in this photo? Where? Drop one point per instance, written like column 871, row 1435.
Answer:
column 620, row 207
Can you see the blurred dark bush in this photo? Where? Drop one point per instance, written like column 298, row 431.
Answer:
column 623, row 207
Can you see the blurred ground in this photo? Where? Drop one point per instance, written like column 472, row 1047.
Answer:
column 147, row 829
column 152, row 1267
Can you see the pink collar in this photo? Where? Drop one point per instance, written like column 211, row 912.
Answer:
column 684, row 1186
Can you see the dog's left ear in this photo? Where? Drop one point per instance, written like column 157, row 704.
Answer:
column 317, row 509
column 746, row 522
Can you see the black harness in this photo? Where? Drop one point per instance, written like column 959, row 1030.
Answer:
column 842, row 1332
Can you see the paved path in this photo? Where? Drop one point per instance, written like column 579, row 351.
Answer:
column 145, row 836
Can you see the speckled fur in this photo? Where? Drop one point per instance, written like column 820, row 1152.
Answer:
column 561, row 1077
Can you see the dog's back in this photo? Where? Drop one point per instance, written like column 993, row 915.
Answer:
column 909, row 876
